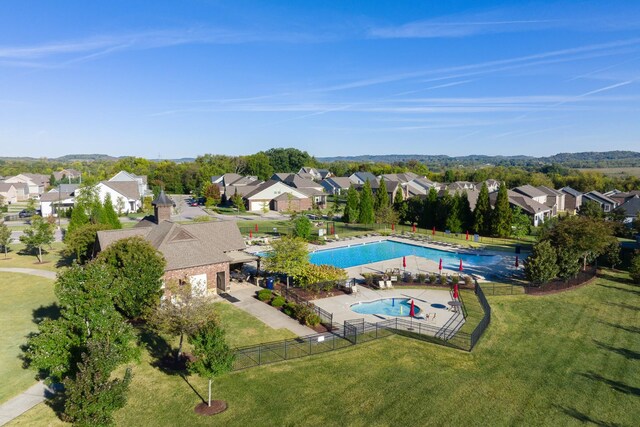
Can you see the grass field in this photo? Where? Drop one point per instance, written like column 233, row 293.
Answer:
column 21, row 294
column 562, row 359
column 615, row 172
column 51, row 257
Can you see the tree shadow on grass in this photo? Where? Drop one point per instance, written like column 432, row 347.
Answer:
column 632, row 329
column 192, row 388
column 161, row 352
column 629, row 354
column 51, row 311
column 65, row 260
column 574, row 413
column 616, row 385
column 631, row 291
column 625, row 306
column 613, row 278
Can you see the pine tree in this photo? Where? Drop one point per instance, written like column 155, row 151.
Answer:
column 109, row 214
column 366, row 214
column 482, row 211
column 431, row 208
column 442, row 210
column 382, row 198
column 464, row 211
column 351, row 209
column 452, row 222
column 400, row 205
column 501, row 223
column 541, row 266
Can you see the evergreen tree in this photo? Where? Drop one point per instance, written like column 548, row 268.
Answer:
column 110, row 215
column 521, row 223
column 541, row 266
column 442, row 210
column 351, row 209
column 464, row 211
column 79, row 218
column 453, row 222
column 382, row 197
column 431, row 208
column 366, row 214
column 501, row 222
column 400, row 206
column 482, row 211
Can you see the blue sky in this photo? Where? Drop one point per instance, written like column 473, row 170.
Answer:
column 168, row 79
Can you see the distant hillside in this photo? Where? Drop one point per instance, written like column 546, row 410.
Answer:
column 87, row 157
column 590, row 159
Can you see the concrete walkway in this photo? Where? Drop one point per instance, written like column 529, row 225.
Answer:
column 20, row 404
column 265, row 312
column 32, row 271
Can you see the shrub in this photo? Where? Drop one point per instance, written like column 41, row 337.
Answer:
column 289, row 309
column 468, row 280
column 433, row 278
column 312, row 320
column 634, row 270
column 265, row 295
column 278, row 301
column 368, row 278
column 422, row 278
column 455, row 279
column 321, row 273
column 408, row 277
column 443, row 279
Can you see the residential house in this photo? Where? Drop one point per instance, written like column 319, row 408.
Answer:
column 607, row 204
column 420, row 187
column 67, row 175
column 539, row 212
column 572, row 200
column 140, row 180
column 630, row 208
column 54, row 202
column 202, row 254
column 310, row 188
column 336, row 185
column 461, row 186
column 277, row 196
column 8, row 192
column 532, row 192
column 392, row 188
column 555, row 199
column 125, row 195
column 492, row 185
column 233, row 183
column 359, row 178
column 36, row 183
column 472, row 195
column 622, row 197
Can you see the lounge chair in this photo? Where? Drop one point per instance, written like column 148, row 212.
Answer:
column 389, row 284
column 382, row 285
column 354, row 289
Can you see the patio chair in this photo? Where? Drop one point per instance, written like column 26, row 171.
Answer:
column 389, row 284
column 382, row 285
column 394, row 278
column 354, row 289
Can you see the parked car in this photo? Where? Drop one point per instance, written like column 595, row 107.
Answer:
column 194, row 203
column 202, row 201
column 25, row 214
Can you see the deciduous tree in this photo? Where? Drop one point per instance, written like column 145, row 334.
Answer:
column 5, row 238
column 38, row 234
column 541, row 265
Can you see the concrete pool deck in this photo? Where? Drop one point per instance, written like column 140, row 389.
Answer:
column 340, row 305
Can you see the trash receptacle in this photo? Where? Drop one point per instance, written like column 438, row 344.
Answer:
column 270, row 282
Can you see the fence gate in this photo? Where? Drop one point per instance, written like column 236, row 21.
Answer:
column 350, row 333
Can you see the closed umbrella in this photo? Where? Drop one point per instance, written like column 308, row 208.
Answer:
column 414, row 228
column 517, row 264
column 256, row 228
column 467, row 234
column 393, row 227
column 404, row 262
column 412, row 311
column 433, row 232
column 455, row 291
column 440, row 265
column 460, row 267
column 250, row 234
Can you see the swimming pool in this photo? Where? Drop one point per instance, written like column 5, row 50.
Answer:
column 399, row 307
column 381, row 251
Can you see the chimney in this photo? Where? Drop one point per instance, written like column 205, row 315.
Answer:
column 162, row 207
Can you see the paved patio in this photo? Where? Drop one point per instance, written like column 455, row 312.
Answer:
column 340, row 305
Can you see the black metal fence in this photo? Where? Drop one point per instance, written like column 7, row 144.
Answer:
column 497, row 289
column 484, row 322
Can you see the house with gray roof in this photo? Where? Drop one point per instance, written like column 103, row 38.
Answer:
column 532, row 192
column 555, row 199
column 630, row 209
column 572, row 199
column 538, row 212
column 277, row 196
column 9, row 192
column 606, row 203
column 202, row 254
column 336, row 184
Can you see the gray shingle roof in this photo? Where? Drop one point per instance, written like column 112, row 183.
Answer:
column 529, row 191
column 128, row 189
column 163, row 200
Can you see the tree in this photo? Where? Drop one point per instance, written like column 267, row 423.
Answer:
column 87, row 313
column 92, row 395
column 482, row 211
column 382, row 197
column 212, row 194
column 137, row 269
column 5, row 238
column 120, row 205
column 521, row 224
column 288, row 256
column 110, row 216
column 366, row 213
column 464, row 211
column 212, row 355
column 52, row 180
column 568, row 261
column 302, row 226
column 430, row 209
column 386, row 215
column 352, row 207
column 258, row 164
column 612, row 254
column 591, row 209
column 634, row 269
column 501, row 221
column 183, row 312
column 443, row 205
column 400, row 205
column 335, row 207
column 79, row 218
column 80, row 241
column 31, row 206
column 541, row 265
column 237, row 201
column 38, row 234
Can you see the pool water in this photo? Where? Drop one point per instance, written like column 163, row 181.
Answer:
column 399, row 307
column 385, row 250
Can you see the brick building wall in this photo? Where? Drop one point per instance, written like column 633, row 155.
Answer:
column 210, row 270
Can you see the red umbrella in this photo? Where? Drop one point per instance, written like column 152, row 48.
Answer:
column 412, row 311
column 467, row 234
column 414, row 228
column 440, row 265
column 460, row 268
column 250, row 234
column 404, row 262
column 517, row 261
column 256, row 228
column 433, row 231
column 455, row 291
column 393, row 227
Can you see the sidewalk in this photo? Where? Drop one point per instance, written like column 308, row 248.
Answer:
column 20, row 404
column 33, row 271
column 266, row 313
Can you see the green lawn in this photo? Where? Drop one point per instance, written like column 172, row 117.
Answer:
column 51, row 256
column 562, row 359
column 21, row 294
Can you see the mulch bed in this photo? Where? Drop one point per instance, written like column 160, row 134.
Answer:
column 308, row 294
column 217, row 406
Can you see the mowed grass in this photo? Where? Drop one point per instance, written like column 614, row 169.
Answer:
column 21, row 294
column 562, row 359
column 51, row 257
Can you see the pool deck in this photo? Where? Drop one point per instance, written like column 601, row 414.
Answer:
column 340, row 305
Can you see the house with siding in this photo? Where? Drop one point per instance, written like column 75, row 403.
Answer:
column 630, row 209
column 202, row 254
column 572, row 200
column 336, row 185
column 8, row 192
column 538, row 212
column 35, row 183
column 277, row 196
column 555, row 199
column 606, row 203
column 67, row 174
